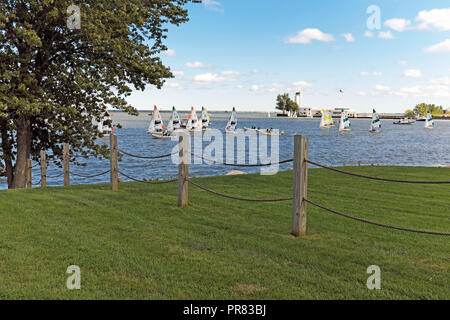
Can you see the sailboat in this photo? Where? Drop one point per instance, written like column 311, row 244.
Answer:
column 429, row 123
column 193, row 124
column 375, row 125
column 104, row 126
column 156, row 123
column 344, row 126
column 326, row 121
column 205, row 119
column 232, row 123
column 174, row 121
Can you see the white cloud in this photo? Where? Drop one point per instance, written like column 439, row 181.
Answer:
column 306, row 35
column 178, row 73
column 403, row 62
column 364, row 73
column 173, row 85
column 196, row 64
column 301, row 84
column 209, row 77
column 382, row 88
column 213, row 5
column 439, row 47
column 348, row 37
column 397, row 24
column 256, row 87
column 362, row 93
column 377, row 74
column 368, row 34
column 170, row 52
column 240, row 86
column 214, row 77
column 436, row 18
column 412, row 73
column 256, row 71
column 433, row 91
column 385, row 35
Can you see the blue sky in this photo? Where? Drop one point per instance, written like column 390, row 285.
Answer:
column 243, row 53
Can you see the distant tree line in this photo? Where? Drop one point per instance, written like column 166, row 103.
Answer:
column 286, row 104
column 421, row 110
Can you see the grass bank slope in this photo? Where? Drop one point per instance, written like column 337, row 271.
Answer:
column 136, row 244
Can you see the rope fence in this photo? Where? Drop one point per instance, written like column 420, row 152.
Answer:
column 299, row 187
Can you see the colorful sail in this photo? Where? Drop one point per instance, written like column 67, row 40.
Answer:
column 174, row 121
column 205, row 118
column 376, row 123
column 429, row 123
column 193, row 123
column 232, row 123
column 156, row 123
column 345, row 122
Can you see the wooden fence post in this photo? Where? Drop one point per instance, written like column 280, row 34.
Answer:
column 114, row 162
column 66, row 158
column 300, row 186
column 183, row 184
column 43, row 169
column 29, row 174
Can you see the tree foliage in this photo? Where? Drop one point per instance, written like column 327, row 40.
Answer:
column 286, row 104
column 54, row 79
column 422, row 109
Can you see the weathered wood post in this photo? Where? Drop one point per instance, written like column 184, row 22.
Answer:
column 43, row 169
column 114, row 162
column 66, row 158
column 183, row 184
column 300, row 186
column 29, row 174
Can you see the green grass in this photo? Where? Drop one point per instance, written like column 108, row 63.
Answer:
column 136, row 244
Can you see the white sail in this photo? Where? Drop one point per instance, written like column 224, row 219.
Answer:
column 174, row 121
column 232, row 123
column 205, row 118
column 156, row 123
column 429, row 123
column 376, row 123
column 345, row 122
column 193, row 123
column 326, row 121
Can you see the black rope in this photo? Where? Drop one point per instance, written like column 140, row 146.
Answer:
column 149, row 182
column 91, row 176
column 236, row 198
column 375, row 223
column 376, row 178
column 53, row 177
column 242, row 165
column 143, row 157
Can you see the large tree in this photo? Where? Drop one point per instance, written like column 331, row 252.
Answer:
column 58, row 67
column 422, row 108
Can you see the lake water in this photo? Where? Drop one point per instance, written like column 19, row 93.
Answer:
column 409, row 145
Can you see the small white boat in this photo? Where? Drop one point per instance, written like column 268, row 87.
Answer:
column 232, row 123
column 429, row 123
column 156, row 123
column 375, row 125
column 405, row 121
column 270, row 132
column 344, row 125
column 174, row 121
column 163, row 135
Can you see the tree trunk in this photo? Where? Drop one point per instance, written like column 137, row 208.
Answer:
column 23, row 133
column 7, row 152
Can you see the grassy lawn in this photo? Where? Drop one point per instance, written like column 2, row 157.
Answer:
column 136, row 244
